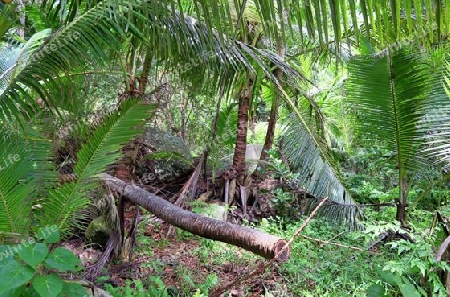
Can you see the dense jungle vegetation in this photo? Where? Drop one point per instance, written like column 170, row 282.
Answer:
column 224, row 148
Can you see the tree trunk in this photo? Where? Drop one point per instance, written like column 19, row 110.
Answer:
column 274, row 109
column 145, row 71
column 260, row 243
column 401, row 206
column 242, row 125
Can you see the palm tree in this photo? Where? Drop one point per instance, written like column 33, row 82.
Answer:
column 41, row 74
column 89, row 33
column 392, row 92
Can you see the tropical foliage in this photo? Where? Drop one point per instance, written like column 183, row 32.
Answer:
column 392, row 93
column 360, row 87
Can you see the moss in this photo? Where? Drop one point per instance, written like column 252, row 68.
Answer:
column 97, row 233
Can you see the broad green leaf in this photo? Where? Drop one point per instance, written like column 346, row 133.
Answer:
column 375, row 290
column 63, row 260
column 14, row 274
column 49, row 234
column 5, row 255
column 48, row 285
column 420, row 264
column 33, row 254
column 16, row 292
column 408, row 289
column 387, row 276
column 73, row 290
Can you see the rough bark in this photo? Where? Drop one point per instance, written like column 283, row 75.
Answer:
column 260, row 243
column 270, row 134
column 401, row 213
column 145, row 71
column 242, row 126
column 401, row 206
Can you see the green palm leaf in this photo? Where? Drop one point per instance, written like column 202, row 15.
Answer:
column 27, row 50
column 436, row 122
column 175, row 38
column 86, row 38
column 63, row 204
column 225, row 137
column 22, row 162
column 391, row 93
column 318, row 174
column 8, row 60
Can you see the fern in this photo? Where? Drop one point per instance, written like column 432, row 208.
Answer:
column 22, row 162
column 63, row 204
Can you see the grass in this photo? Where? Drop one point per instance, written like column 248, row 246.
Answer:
column 314, row 269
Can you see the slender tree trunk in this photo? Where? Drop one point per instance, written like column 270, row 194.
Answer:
column 130, row 83
column 274, row 109
column 260, row 243
column 242, row 126
column 401, row 206
column 213, row 135
column 145, row 71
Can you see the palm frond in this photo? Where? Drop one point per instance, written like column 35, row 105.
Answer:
column 28, row 48
column 385, row 22
column 391, row 93
column 8, row 61
column 173, row 37
column 435, row 124
column 63, row 204
column 225, row 136
column 317, row 173
column 338, row 20
column 22, row 162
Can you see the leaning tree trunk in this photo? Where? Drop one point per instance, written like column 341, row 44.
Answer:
column 260, row 243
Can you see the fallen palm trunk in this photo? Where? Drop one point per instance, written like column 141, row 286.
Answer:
column 260, row 243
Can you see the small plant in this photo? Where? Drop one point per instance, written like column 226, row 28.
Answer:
column 209, row 283
column 279, row 169
column 198, row 294
column 188, row 281
column 135, row 288
column 415, row 272
column 31, row 268
column 286, row 204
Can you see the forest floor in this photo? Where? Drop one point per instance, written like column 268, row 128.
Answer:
column 180, row 262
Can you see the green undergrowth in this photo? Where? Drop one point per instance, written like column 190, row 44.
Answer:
column 394, row 268
column 317, row 269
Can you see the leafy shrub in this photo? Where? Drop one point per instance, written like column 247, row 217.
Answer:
column 411, row 268
column 29, row 269
column 286, row 204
